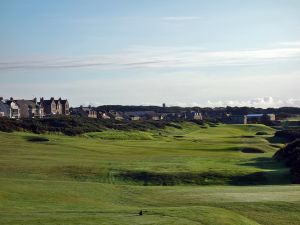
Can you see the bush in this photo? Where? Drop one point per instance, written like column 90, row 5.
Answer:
column 289, row 135
column 73, row 125
column 290, row 155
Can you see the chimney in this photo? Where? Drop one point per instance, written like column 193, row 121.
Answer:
column 59, row 99
column 51, row 98
column 1, row 98
column 41, row 99
column 35, row 100
column 11, row 98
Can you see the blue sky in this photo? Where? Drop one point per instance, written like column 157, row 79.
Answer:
column 193, row 52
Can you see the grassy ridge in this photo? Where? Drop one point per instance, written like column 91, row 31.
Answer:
column 108, row 177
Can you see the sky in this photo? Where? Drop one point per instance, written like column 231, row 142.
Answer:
column 140, row 52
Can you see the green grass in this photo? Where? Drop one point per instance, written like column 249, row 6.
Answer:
column 176, row 176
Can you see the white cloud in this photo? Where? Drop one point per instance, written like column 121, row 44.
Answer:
column 264, row 102
column 157, row 58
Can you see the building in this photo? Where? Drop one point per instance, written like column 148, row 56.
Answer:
column 260, row 118
column 156, row 117
column 58, row 107
column 84, row 111
column 271, row 116
column 65, row 107
column 116, row 115
column 193, row 115
column 4, row 108
column 30, row 108
column 104, row 115
column 134, row 118
column 234, row 119
column 49, row 106
column 55, row 107
column 14, row 110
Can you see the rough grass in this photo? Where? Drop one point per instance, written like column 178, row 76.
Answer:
column 108, row 177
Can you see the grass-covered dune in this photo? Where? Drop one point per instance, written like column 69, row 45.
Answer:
column 221, row 174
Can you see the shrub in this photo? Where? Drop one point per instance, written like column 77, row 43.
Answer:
column 289, row 134
column 290, row 155
column 73, row 125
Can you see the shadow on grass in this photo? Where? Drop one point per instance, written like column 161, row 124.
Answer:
column 206, row 178
column 277, row 172
column 263, row 163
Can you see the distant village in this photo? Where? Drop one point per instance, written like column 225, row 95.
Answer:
column 20, row 108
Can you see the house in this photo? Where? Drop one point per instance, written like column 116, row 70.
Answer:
column 4, row 108
column 134, row 118
column 9, row 109
column 104, row 115
column 172, row 116
column 260, row 118
column 116, row 115
column 65, row 107
column 49, row 106
column 193, row 115
column 138, row 115
column 14, row 110
column 55, row 107
column 156, row 117
column 58, row 106
column 271, row 116
column 84, row 111
column 30, row 108
column 234, row 119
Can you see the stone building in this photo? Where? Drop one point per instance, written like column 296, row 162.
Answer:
column 193, row 115
column 4, row 108
column 9, row 109
column 234, row 119
column 30, row 108
column 84, row 112
column 65, row 107
column 55, row 107
column 260, row 118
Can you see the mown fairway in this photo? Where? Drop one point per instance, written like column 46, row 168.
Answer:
column 194, row 175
